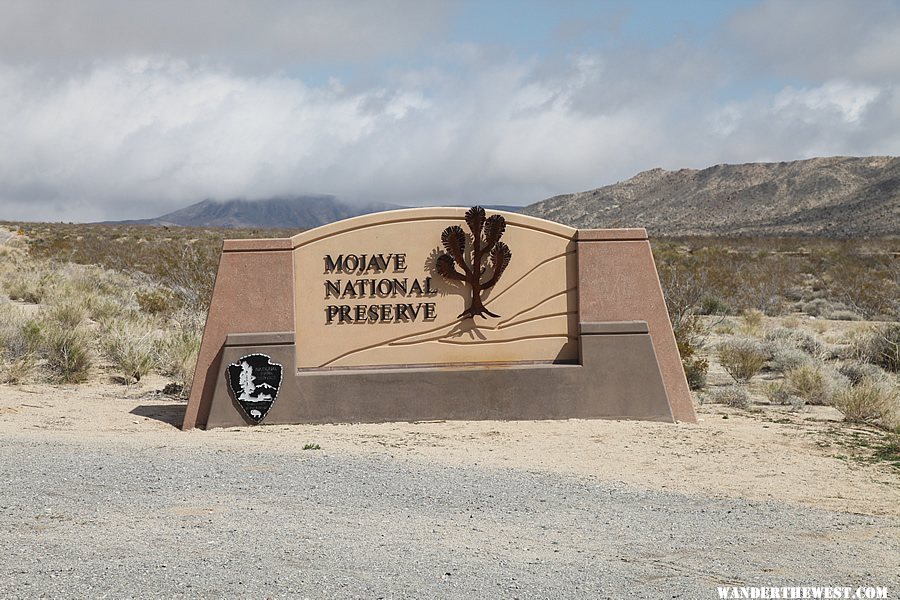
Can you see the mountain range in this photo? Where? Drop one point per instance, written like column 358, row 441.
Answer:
column 834, row 197
column 302, row 212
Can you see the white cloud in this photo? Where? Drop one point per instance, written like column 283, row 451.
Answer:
column 132, row 134
column 820, row 39
column 846, row 101
column 249, row 33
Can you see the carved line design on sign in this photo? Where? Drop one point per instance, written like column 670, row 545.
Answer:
column 530, row 271
column 505, row 325
column 529, row 337
column 510, row 321
column 442, row 338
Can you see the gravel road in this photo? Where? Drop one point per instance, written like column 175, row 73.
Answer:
column 124, row 519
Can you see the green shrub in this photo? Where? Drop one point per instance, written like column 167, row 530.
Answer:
column 742, row 358
column 68, row 353
column 735, row 396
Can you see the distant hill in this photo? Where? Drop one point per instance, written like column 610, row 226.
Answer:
column 294, row 212
column 301, row 212
column 836, row 197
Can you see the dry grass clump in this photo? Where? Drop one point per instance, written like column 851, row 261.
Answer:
column 19, row 342
column 68, row 351
column 814, row 383
column 131, row 346
column 88, row 313
column 68, row 313
column 735, row 396
column 178, row 351
column 872, row 401
column 742, row 358
column 751, row 322
column 30, row 284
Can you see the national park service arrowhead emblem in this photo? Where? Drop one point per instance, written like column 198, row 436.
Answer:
column 254, row 380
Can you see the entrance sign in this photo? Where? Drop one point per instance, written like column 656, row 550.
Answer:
column 438, row 313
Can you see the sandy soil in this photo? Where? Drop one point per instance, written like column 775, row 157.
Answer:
column 808, row 458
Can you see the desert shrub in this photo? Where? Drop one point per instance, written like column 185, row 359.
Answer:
column 751, row 321
column 870, row 401
column 784, row 356
column 845, row 315
column 157, row 301
column 856, row 371
column 19, row 341
column 867, row 282
column 814, row 383
column 881, row 347
column 682, row 294
column 790, row 322
column 799, row 338
column 820, row 307
column 101, row 307
column 30, row 284
column 778, row 393
column 735, row 396
column 711, row 304
column 742, row 358
column 68, row 352
column 131, row 347
column 178, row 355
column 67, row 314
column 725, row 327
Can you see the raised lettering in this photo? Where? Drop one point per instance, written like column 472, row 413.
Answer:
column 331, row 264
column 332, row 288
column 429, row 311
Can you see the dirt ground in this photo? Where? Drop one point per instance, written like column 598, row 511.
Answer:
column 808, row 458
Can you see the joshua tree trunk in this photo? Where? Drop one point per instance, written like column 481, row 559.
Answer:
column 486, row 234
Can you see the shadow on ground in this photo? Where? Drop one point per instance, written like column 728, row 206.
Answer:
column 171, row 415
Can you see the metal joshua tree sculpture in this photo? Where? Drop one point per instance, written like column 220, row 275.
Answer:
column 486, row 247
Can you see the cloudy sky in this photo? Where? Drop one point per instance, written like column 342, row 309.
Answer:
column 113, row 110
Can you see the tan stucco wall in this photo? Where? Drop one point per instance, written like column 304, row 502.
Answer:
column 536, row 297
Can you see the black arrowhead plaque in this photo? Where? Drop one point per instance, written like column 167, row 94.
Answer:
column 254, row 380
